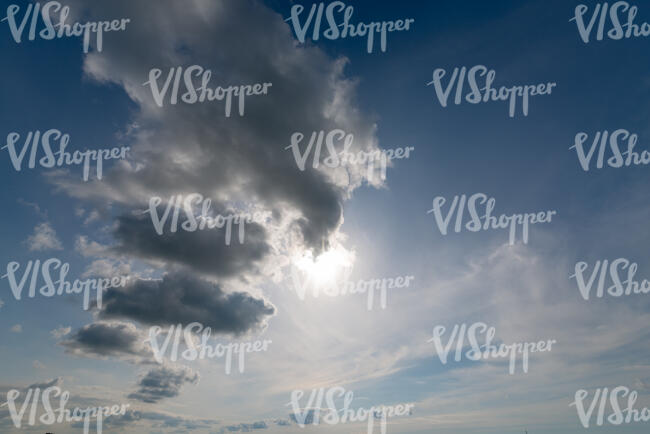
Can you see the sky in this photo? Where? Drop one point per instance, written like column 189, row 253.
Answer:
column 325, row 225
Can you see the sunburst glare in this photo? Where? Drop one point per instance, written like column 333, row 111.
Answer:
column 327, row 267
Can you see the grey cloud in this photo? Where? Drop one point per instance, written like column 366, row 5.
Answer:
column 43, row 238
column 282, row 422
column 205, row 251
column 194, row 148
column 244, row 427
column 104, row 339
column 308, row 417
column 163, row 382
column 183, row 298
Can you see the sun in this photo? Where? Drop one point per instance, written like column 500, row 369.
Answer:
column 327, row 267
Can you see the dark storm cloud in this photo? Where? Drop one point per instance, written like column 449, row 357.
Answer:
column 163, row 382
column 183, row 148
column 180, row 298
column 204, row 250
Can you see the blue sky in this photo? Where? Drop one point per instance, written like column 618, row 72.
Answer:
column 523, row 162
